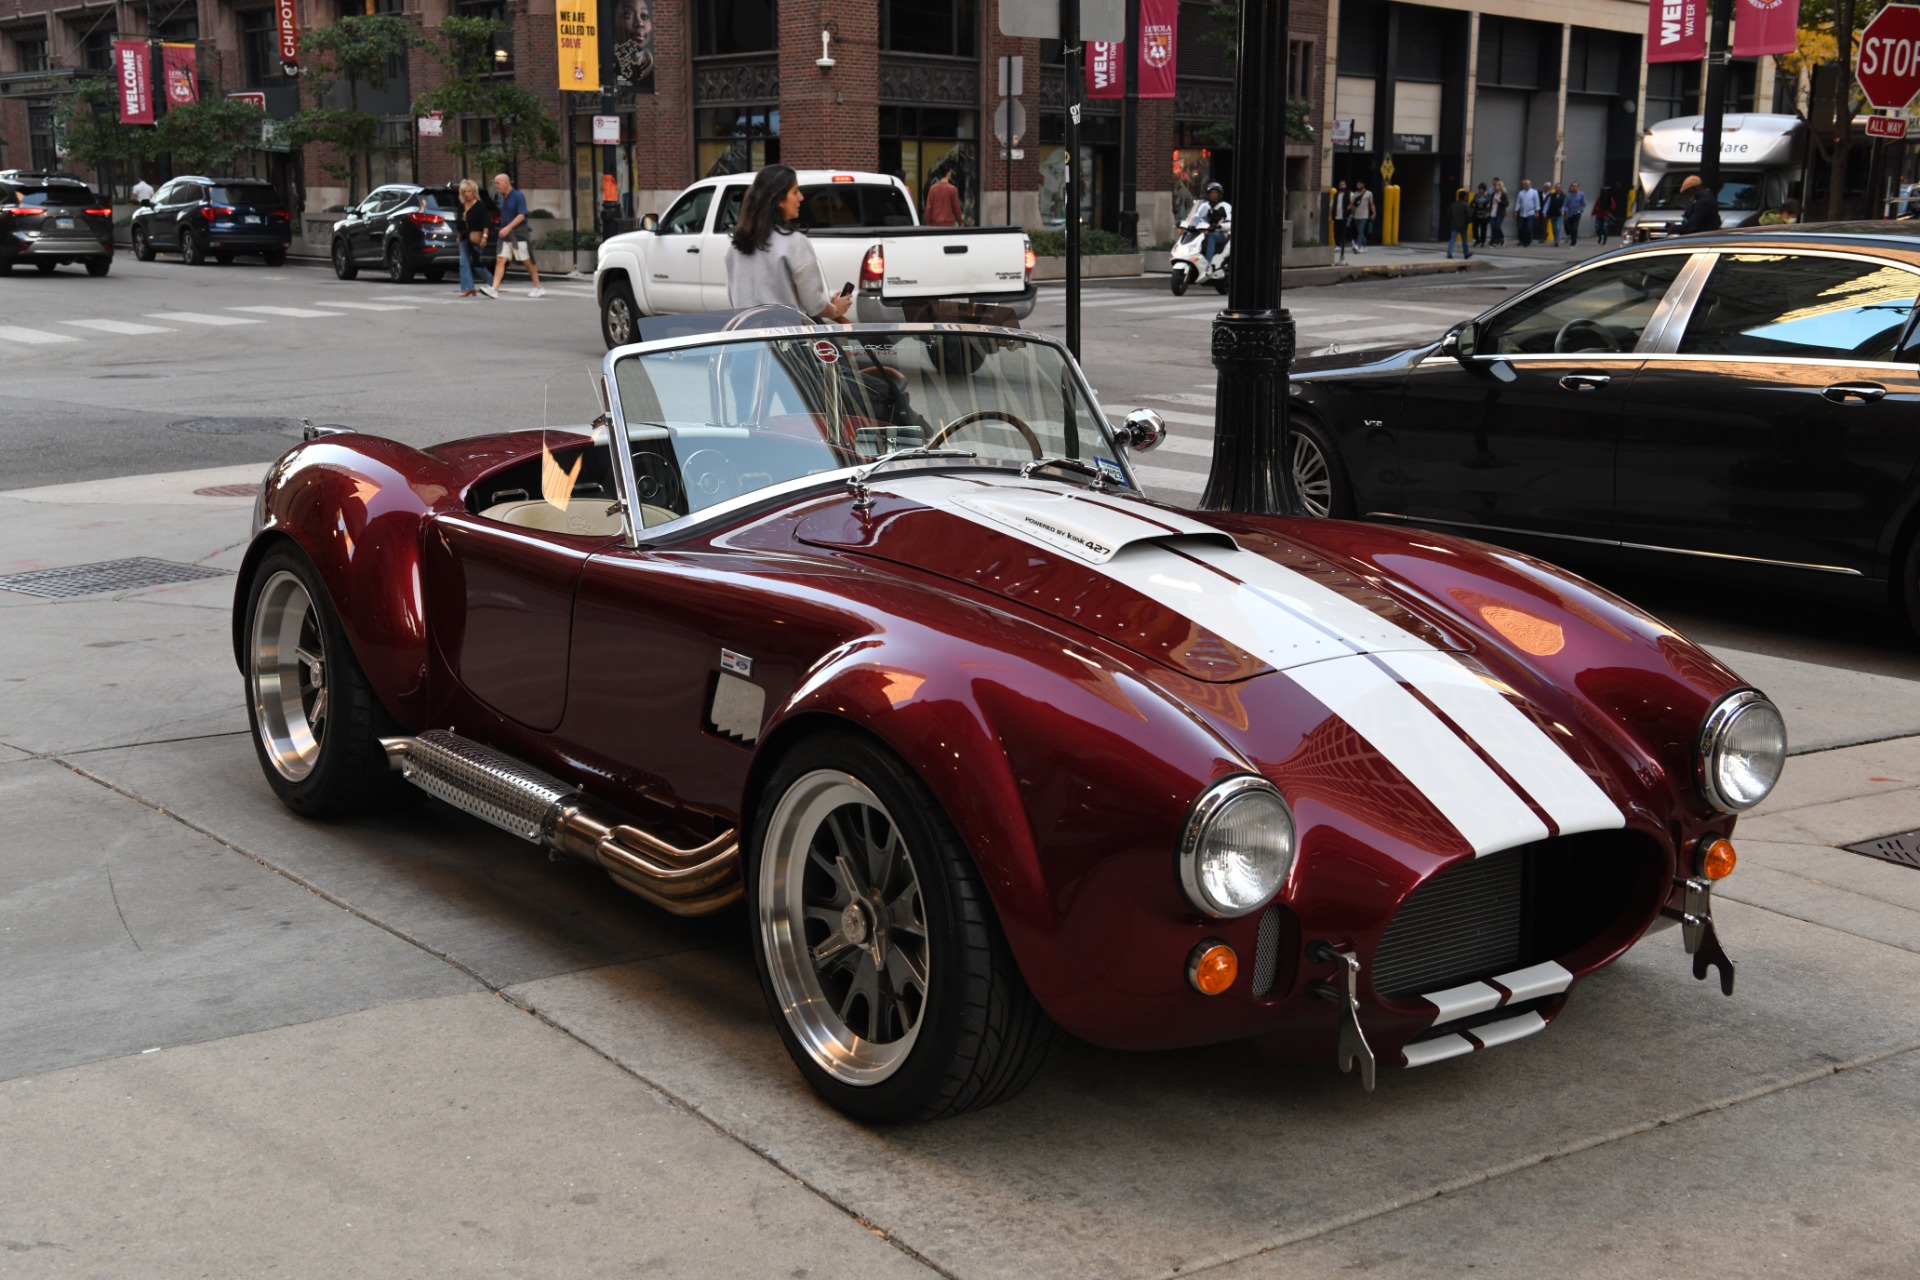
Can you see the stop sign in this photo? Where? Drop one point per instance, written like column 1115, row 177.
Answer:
column 1889, row 71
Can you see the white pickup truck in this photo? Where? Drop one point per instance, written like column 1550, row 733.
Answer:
column 864, row 229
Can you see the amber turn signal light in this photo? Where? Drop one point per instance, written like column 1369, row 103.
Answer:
column 1717, row 858
column 1212, row 967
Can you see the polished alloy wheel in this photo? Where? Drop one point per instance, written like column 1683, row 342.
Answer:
column 289, row 670
column 844, row 927
column 619, row 319
column 1311, row 478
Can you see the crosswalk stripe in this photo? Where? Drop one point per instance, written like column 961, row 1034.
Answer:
column 196, row 317
column 118, row 326
column 414, row 298
column 1451, row 312
column 14, row 333
column 369, row 306
column 1171, row 415
column 1366, row 333
column 1187, row 446
column 296, row 313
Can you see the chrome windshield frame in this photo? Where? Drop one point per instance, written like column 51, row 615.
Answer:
column 638, row 534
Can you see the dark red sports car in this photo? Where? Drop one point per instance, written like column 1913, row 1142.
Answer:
column 870, row 627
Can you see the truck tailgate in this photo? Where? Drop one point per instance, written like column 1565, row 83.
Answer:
column 948, row 262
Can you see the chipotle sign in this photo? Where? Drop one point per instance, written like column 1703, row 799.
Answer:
column 287, row 18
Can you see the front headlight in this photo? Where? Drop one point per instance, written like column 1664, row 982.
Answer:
column 1237, row 847
column 1743, row 747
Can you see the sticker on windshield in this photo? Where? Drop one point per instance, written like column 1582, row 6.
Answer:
column 1111, row 469
column 825, row 352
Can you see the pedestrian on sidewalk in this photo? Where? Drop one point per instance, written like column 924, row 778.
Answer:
column 1606, row 212
column 768, row 262
column 472, row 226
column 1526, row 207
column 1482, row 211
column 142, row 191
column 1501, row 203
column 943, row 202
column 1556, row 204
column 1362, row 216
column 1704, row 213
column 1460, row 223
column 516, row 238
column 1340, row 213
column 1575, row 206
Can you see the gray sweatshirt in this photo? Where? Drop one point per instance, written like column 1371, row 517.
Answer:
column 785, row 273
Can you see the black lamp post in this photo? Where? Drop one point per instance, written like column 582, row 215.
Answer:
column 1253, row 338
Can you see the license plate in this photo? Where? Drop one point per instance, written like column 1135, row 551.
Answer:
column 253, row 217
column 63, row 224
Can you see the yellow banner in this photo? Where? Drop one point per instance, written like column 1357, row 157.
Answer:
column 579, row 28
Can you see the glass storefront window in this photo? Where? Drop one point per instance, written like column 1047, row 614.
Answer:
column 1192, row 170
column 736, row 139
column 918, row 145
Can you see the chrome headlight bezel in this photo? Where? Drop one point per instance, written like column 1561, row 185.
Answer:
column 1714, row 732
column 1204, row 818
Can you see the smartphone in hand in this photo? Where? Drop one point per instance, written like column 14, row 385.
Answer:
column 846, row 290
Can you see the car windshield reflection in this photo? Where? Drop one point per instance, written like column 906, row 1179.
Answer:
column 716, row 421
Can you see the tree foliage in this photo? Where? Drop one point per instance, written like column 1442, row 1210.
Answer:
column 518, row 125
column 93, row 135
column 209, row 136
column 354, row 53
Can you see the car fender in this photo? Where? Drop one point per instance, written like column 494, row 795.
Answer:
column 356, row 511
column 625, row 255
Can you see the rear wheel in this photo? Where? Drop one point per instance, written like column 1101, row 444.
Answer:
column 1179, row 279
column 142, row 245
column 192, row 252
column 274, row 257
column 619, row 315
column 891, row 984
column 98, row 266
column 434, row 275
column 343, row 264
column 399, row 265
column 1220, row 283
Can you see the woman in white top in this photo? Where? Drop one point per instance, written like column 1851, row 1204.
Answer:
column 770, row 262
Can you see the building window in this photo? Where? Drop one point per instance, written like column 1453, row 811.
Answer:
column 396, row 8
column 928, row 26
column 1300, row 70
column 96, row 49
column 260, row 48
column 502, row 39
column 736, row 139
column 180, row 30
column 30, row 54
column 40, row 135
column 735, row 26
column 918, row 145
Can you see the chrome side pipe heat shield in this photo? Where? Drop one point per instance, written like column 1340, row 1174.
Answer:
column 540, row 808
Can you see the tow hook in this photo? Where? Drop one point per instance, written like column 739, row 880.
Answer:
column 1353, row 1041
column 1703, row 944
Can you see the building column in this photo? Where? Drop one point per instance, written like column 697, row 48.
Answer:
column 1332, row 91
column 1560, row 106
column 1763, row 78
column 1473, row 96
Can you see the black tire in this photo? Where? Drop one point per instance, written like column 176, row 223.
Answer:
column 223, row 256
column 977, row 1035
column 274, row 257
column 142, row 245
column 399, row 263
column 99, row 266
column 1220, row 284
column 343, row 264
column 619, row 315
column 434, row 275
column 343, row 769
column 1179, row 279
column 1332, row 495
column 45, row 268
column 192, row 252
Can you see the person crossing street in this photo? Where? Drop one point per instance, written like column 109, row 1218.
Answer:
column 516, row 239
column 1576, row 205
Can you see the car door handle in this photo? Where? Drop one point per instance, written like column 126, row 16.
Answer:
column 693, row 248
column 1864, row 392
column 1585, row 381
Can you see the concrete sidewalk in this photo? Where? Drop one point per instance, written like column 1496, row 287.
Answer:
column 238, row 1042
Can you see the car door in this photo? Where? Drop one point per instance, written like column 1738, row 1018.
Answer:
column 365, row 231
column 1779, row 425
column 183, row 198
column 674, row 267
column 1518, row 435
column 713, row 256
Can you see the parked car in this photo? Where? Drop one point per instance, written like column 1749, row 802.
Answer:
column 403, row 228
column 819, row 622
column 49, row 218
column 218, row 218
column 865, row 232
column 1736, row 407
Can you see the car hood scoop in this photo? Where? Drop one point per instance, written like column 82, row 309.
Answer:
column 1157, row 582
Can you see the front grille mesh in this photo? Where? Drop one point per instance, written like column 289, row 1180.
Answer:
column 1266, row 953
column 1464, row 923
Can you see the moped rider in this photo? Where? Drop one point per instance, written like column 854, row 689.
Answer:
column 1215, row 216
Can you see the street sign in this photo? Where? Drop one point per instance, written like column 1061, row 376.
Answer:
column 1386, row 170
column 1889, row 70
column 1012, row 76
column 1040, row 19
column 251, row 97
column 1886, row 127
column 1342, row 132
column 606, row 131
column 430, row 125
column 1009, row 122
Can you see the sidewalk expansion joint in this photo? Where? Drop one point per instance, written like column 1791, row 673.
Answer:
column 1822, row 924
column 1842, row 746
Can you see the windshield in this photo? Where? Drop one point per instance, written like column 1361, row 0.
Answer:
column 246, row 193
column 1737, row 191
column 721, row 420
column 60, row 193
column 851, row 204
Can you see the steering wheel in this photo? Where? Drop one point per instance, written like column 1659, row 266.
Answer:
column 1027, row 433
column 1580, row 328
column 710, row 477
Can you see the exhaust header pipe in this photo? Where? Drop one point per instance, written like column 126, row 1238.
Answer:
column 540, row 808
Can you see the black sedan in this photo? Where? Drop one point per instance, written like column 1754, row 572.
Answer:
column 1738, row 406
column 49, row 218
column 213, row 218
column 403, row 229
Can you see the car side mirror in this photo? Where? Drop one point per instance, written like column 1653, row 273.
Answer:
column 651, row 222
column 1460, row 343
column 1143, row 430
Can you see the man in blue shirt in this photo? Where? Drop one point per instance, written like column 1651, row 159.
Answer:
column 1576, row 205
column 1526, row 207
column 516, row 240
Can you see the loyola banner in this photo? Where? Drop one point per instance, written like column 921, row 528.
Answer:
column 1765, row 26
column 1677, row 30
column 579, row 29
column 134, row 81
column 1159, row 19
column 179, row 66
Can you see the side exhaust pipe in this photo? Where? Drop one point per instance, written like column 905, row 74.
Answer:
column 540, row 808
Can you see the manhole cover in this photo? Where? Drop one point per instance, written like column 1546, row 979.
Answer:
column 227, row 491
column 109, row 575
column 1903, row 849
column 238, row 426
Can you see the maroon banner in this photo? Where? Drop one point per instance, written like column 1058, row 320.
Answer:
column 1676, row 30
column 1106, row 73
column 179, row 66
column 1765, row 26
column 132, row 74
column 286, row 20
column 1159, row 19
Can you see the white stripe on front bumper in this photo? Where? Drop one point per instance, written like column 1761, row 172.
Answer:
column 1508, row 1030
column 1538, row 980
column 1438, row 1049
column 1463, row 1002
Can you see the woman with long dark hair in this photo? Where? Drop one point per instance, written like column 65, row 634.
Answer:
column 770, row 263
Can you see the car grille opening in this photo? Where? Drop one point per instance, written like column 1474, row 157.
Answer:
column 1550, row 900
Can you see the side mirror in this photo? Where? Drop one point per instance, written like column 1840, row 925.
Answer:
column 1460, row 343
column 1143, row 430
column 651, row 222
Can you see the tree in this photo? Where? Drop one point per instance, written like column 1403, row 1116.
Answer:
column 355, row 52
column 517, row 121
column 94, row 136
column 209, row 136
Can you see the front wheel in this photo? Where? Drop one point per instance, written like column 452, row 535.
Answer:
column 1180, row 277
column 619, row 315
column 224, row 257
column 142, row 245
column 274, row 257
column 1319, row 475
column 192, row 252
column 890, row 982
column 343, row 264
column 435, row 275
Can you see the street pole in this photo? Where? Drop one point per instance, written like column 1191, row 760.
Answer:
column 1717, row 67
column 1075, row 91
column 1842, row 116
column 1130, row 128
column 1253, row 338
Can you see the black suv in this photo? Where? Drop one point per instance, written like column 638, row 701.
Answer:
column 51, row 218
column 402, row 227
column 200, row 218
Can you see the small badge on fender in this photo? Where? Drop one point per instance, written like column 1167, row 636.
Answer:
column 738, row 663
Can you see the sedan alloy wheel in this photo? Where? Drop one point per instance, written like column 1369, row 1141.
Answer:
column 1312, row 479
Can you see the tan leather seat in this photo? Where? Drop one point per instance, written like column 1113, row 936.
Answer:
column 585, row 518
